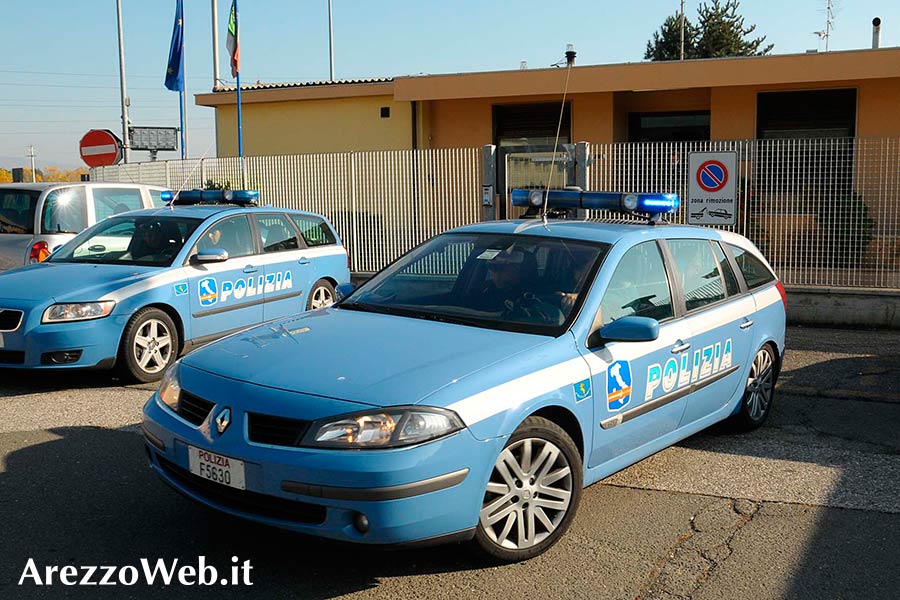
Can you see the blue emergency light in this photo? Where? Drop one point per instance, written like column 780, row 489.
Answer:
column 651, row 204
column 189, row 197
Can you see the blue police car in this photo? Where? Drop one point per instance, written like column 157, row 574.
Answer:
column 472, row 388
column 139, row 288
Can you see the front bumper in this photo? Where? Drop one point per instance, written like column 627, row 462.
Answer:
column 97, row 339
column 413, row 494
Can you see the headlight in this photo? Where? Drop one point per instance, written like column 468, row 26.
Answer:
column 388, row 428
column 79, row 311
column 170, row 387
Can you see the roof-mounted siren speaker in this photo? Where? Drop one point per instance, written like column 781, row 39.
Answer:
column 876, row 32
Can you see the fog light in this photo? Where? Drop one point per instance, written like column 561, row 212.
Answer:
column 64, row 357
column 361, row 523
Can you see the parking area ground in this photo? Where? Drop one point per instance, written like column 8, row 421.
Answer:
column 806, row 507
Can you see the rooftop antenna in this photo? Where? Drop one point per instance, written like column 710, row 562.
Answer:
column 570, row 62
column 829, row 23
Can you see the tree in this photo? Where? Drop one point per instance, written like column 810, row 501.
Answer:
column 666, row 43
column 720, row 32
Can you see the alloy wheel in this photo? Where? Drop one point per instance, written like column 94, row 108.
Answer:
column 760, row 384
column 152, row 346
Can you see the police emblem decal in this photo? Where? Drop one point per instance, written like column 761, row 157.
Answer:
column 208, row 291
column 582, row 390
column 618, row 385
column 181, row 289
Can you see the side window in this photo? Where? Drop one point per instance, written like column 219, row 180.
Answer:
column 314, row 230
column 699, row 272
column 731, row 283
column 638, row 287
column 754, row 271
column 277, row 233
column 65, row 211
column 112, row 201
column 232, row 235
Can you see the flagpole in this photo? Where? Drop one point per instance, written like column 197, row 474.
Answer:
column 181, row 118
column 183, row 95
column 240, row 132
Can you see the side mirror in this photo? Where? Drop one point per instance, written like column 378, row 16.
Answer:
column 626, row 329
column 211, row 255
column 343, row 290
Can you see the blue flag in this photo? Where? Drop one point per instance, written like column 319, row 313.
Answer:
column 175, row 70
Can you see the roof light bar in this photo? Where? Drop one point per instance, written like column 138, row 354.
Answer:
column 652, row 204
column 189, row 197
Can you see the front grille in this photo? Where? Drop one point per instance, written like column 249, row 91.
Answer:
column 10, row 319
column 193, row 409
column 254, row 503
column 275, row 431
column 12, row 357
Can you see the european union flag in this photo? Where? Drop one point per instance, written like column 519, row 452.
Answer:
column 175, row 70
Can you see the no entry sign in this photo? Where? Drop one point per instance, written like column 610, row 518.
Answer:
column 712, row 193
column 100, row 148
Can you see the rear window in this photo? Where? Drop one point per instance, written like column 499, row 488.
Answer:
column 755, row 272
column 114, row 201
column 314, row 230
column 17, row 210
column 156, row 198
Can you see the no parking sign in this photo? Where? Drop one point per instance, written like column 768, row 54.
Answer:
column 712, row 193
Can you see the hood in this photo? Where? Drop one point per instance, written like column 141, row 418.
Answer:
column 362, row 357
column 64, row 282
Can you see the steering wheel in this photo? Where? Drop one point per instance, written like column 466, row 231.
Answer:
column 532, row 309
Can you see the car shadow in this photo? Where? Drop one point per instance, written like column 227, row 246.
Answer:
column 21, row 381
column 85, row 496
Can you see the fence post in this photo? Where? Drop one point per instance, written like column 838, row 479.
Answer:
column 488, row 182
column 168, row 178
column 582, row 176
column 202, row 173
column 354, row 214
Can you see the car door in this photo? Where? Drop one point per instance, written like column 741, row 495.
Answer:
column 637, row 385
column 718, row 311
column 287, row 270
column 227, row 295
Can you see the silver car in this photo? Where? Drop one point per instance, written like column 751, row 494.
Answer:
column 36, row 218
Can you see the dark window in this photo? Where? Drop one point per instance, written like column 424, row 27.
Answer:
column 17, row 210
column 531, row 124
column 232, row 235
column 698, row 271
column 385, row 112
column 314, row 230
column 731, row 282
column 668, row 127
column 277, row 233
column 639, row 287
column 806, row 114
column 754, row 271
column 65, row 211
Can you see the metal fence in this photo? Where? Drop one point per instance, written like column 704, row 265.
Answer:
column 382, row 203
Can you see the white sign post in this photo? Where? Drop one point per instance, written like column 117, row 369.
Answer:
column 712, row 190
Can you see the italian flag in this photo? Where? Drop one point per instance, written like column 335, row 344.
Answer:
column 232, row 43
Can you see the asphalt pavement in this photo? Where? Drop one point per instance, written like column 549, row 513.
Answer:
column 806, row 507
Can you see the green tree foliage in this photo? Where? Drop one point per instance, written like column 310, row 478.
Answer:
column 720, row 32
column 666, row 43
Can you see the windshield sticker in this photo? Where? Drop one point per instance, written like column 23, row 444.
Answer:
column 705, row 362
column 489, row 254
column 618, row 385
column 582, row 390
column 181, row 289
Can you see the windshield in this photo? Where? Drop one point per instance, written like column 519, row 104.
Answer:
column 139, row 240
column 521, row 283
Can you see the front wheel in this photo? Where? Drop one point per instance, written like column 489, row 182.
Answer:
column 533, row 493
column 322, row 295
column 759, row 393
column 149, row 345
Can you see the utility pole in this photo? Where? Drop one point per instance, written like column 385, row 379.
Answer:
column 330, row 44
column 215, row 43
column 126, row 146
column 30, row 154
column 682, row 29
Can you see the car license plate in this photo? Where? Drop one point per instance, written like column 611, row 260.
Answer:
column 215, row 467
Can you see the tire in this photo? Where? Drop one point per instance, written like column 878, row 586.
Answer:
column 760, row 392
column 149, row 345
column 508, row 499
column 321, row 295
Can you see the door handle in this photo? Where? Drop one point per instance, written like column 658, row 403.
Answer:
column 250, row 269
column 746, row 324
column 303, row 260
column 680, row 347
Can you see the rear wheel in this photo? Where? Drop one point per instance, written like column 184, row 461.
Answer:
column 760, row 392
column 322, row 295
column 533, row 493
column 149, row 345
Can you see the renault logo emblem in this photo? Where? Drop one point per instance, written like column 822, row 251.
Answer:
column 223, row 420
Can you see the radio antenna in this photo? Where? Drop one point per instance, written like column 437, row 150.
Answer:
column 570, row 62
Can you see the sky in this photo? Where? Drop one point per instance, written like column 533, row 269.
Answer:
column 60, row 73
